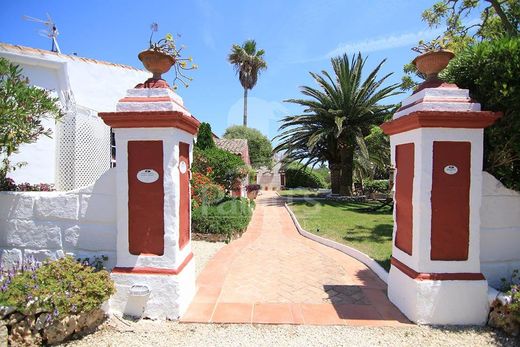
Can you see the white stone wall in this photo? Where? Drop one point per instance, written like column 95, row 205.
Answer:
column 45, row 224
column 499, row 230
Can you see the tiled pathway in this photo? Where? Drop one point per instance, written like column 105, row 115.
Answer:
column 274, row 275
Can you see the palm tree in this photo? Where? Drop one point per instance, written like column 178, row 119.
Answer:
column 337, row 116
column 248, row 63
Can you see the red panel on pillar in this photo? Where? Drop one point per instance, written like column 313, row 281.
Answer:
column 404, row 162
column 184, row 207
column 145, row 200
column 450, row 200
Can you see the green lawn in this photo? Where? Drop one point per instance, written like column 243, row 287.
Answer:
column 346, row 223
column 299, row 192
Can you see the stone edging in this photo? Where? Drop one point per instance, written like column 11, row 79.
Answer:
column 354, row 253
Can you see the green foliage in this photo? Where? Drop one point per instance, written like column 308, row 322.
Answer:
column 498, row 19
column 336, row 117
column 222, row 167
column 376, row 186
column 248, row 62
column 259, row 146
column 61, row 286
column 205, row 137
column 227, row 218
column 22, row 110
column 299, row 176
column 490, row 71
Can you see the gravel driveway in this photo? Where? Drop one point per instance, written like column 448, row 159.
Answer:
column 116, row 332
column 122, row 332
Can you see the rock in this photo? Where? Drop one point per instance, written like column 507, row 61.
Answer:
column 6, row 310
column 3, row 335
column 43, row 321
column 23, row 335
column 94, row 318
column 61, row 329
column 14, row 318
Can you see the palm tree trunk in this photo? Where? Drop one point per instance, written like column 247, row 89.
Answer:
column 347, row 166
column 335, row 175
column 245, row 107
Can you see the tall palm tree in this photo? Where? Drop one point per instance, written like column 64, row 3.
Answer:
column 248, row 63
column 337, row 116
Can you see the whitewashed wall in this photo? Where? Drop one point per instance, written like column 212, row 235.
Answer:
column 499, row 230
column 84, row 87
column 44, row 224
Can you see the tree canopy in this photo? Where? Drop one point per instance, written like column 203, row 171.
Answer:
column 336, row 118
column 248, row 63
column 259, row 146
column 205, row 136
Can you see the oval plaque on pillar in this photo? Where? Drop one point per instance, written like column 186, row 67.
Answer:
column 147, row 175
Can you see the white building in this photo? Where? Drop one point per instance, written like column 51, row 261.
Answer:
column 79, row 150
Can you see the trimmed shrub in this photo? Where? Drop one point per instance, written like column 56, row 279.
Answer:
column 376, row 186
column 227, row 218
column 298, row 176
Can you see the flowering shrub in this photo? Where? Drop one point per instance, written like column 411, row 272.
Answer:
column 58, row 287
column 252, row 187
column 204, row 191
column 222, row 167
column 9, row 185
column 507, row 316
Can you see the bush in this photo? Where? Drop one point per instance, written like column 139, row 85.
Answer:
column 59, row 287
column 222, row 167
column 376, row 186
column 298, row 176
column 204, row 191
column 490, row 71
column 227, row 218
column 506, row 316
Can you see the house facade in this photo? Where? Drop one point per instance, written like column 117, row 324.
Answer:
column 79, row 151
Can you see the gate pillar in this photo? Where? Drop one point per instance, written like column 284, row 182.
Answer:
column 436, row 140
column 155, row 271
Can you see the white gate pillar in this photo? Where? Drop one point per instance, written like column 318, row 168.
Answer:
column 436, row 141
column 155, row 271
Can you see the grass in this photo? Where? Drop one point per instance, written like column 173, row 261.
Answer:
column 347, row 223
column 299, row 192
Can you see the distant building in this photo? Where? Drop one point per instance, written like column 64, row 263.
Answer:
column 271, row 179
column 240, row 148
column 80, row 148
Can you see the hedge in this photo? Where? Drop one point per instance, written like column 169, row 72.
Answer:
column 302, row 177
column 227, row 218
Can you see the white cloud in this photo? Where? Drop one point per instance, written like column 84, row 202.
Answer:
column 383, row 43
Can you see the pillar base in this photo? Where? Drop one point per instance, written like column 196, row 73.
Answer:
column 154, row 296
column 451, row 302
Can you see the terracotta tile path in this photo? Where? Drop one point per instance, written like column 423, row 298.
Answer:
column 274, row 275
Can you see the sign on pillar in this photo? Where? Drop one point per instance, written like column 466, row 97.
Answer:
column 436, row 143
column 155, row 271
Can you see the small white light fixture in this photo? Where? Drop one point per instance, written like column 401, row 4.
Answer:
column 139, row 290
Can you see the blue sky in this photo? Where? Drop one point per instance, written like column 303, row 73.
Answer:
column 298, row 37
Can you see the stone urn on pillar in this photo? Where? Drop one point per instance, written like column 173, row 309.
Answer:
column 436, row 141
column 154, row 133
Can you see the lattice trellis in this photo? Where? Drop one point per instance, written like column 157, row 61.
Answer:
column 83, row 149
